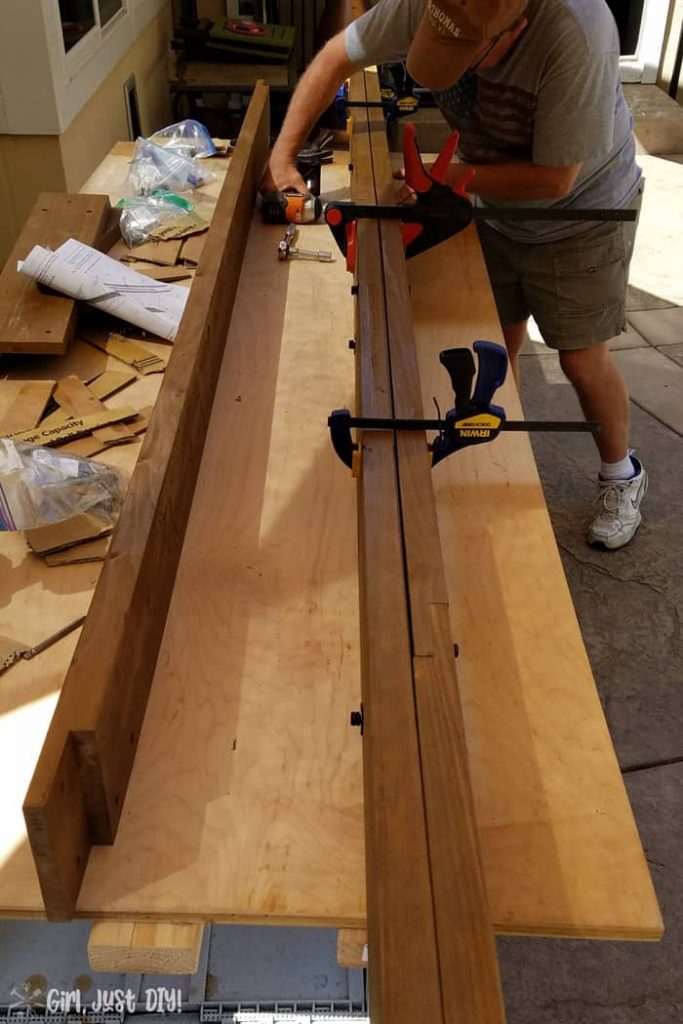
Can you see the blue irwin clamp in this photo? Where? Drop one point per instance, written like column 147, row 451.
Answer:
column 394, row 106
column 473, row 420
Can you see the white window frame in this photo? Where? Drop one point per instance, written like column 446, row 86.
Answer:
column 643, row 65
column 78, row 74
column 78, row 56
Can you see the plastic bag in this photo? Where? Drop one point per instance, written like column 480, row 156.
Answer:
column 191, row 138
column 40, row 486
column 154, row 167
column 160, row 215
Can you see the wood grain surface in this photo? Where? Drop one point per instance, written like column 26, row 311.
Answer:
column 33, row 321
column 466, row 987
column 272, row 830
column 89, row 750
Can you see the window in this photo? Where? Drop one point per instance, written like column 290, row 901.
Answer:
column 628, row 15
column 80, row 16
column 108, row 8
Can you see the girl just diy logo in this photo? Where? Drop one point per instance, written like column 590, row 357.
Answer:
column 442, row 21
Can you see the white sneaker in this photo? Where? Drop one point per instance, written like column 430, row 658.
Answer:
column 619, row 516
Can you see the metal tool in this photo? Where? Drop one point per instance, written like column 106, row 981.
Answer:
column 292, row 207
column 287, row 250
column 473, row 420
column 439, row 211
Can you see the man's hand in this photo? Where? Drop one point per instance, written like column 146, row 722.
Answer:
column 312, row 97
column 282, row 175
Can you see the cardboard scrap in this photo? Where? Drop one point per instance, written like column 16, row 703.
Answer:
column 192, row 249
column 109, row 383
column 87, row 447
column 73, row 395
column 90, row 551
column 131, row 352
column 188, row 223
column 73, row 428
column 59, row 536
column 28, row 406
column 166, row 253
column 102, row 386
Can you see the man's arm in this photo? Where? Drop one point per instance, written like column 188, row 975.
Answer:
column 521, row 180
column 313, row 95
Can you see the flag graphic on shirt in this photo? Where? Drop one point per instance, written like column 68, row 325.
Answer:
column 495, row 121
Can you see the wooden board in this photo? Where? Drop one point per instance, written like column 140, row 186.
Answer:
column 33, row 321
column 398, row 883
column 77, row 791
column 465, row 987
column 352, row 947
column 124, row 947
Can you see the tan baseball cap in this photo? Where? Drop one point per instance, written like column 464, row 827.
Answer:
column 451, row 35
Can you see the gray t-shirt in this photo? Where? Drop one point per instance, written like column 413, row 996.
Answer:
column 555, row 100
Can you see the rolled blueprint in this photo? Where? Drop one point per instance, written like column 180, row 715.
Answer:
column 89, row 276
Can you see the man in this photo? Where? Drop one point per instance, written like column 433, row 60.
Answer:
column 534, row 89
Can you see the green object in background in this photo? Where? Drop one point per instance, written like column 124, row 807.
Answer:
column 158, row 193
column 249, row 39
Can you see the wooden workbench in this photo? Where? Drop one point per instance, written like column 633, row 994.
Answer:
column 246, row 798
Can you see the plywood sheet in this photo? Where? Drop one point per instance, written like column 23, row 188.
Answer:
column 268, row 824
column 561, row 850
column 262, row 818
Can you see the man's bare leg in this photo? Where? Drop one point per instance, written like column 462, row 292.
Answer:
column 603, row 395
column 514, row 335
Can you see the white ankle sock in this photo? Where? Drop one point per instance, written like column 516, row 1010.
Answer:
column 623, row 470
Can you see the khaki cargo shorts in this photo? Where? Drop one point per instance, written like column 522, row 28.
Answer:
column 575, row 288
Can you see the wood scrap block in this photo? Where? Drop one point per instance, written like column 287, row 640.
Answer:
column 74, row 396
column 131, row 352
column 27, row 408
column 58, row 536
column 34, row 321
column 112, row 230
column 192, row 249
column 140, row 948
column 352, row 947
column 77, row 554
column 73, row 428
